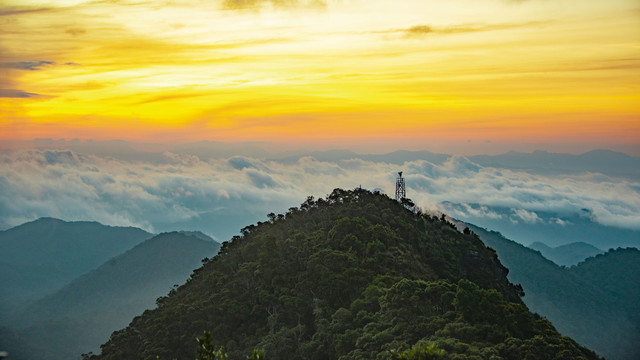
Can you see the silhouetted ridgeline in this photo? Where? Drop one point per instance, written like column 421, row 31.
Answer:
column 352, row 276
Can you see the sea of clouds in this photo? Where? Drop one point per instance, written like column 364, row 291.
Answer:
column 219, row 196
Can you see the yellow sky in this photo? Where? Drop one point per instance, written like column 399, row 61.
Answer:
column 309, row 70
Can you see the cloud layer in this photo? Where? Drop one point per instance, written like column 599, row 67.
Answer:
column 219, row 196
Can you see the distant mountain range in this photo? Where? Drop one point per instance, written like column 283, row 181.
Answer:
column 595, row 302
column 606, row 162
column 567, row 255
column 81, row 314
column 549, row 228
column 43, row 255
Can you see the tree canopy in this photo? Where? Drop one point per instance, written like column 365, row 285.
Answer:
column 355, row 275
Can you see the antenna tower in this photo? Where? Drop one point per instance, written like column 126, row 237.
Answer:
column 401, row 192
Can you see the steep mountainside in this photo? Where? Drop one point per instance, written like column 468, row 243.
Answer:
column 80, row 316
column 618, row 273
column 41, row 256
column 595, row 302
column 352, row 276
column 567, row 255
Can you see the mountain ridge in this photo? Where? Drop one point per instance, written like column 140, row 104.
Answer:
column 355, row 275
column 47, row 253
column 81, row 315
column 582, row 308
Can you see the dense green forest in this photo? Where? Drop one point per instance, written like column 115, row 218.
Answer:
column 594, row 302
column 356, row 275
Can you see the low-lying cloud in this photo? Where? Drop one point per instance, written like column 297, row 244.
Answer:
column 219, row 196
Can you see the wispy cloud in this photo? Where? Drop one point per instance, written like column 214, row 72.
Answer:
column 20, row 11
column 75, row 31
column 423, row 30
column 255, row 4
column 419, row 30
column 529, row 217
column 26, row 65
column 12, row 93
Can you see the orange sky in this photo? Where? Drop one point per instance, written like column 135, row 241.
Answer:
column 508, row 71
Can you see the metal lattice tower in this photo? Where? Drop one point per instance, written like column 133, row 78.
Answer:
column 401, row 192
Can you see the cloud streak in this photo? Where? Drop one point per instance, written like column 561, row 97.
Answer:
column 256, row 4
column 11, row 12
column 423, row 30
column 26, row 65
column 13, row 93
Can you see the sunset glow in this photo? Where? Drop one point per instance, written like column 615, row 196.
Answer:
column 489, row 70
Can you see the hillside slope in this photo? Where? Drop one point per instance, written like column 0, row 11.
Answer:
column 43, row 255
column 352, row 276
column 595, row 302
column 80, row 316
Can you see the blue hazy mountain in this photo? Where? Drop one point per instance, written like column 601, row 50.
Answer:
column 397, row 157
column 595, row 302
column 611, row 163
column 82, row 315
column 606, row 162
column 567, row 255
column 41, row 256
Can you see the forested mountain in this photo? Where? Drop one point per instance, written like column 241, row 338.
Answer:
column 618, row 273
column 80, row 316
column 595, row 302
column 567, row 255
column 43, row 255
column 353, row 276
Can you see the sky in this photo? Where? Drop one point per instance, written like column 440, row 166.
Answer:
column 203, row 114
column 451, row 75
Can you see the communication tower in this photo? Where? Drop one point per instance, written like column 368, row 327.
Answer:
column 401, row 192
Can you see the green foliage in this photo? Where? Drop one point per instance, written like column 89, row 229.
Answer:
column 256, row 355
column 420, row 351
column 350, row 276
column 206, row 349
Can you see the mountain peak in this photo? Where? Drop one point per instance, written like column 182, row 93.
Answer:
column 352, row 275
